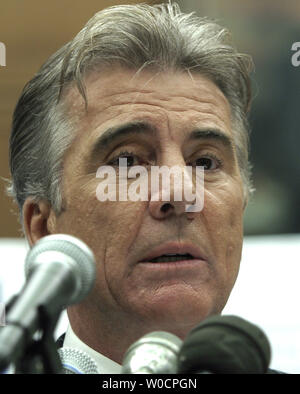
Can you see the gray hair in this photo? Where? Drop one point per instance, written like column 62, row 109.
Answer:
column 160, row 37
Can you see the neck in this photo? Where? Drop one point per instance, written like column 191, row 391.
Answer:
column 112, row 337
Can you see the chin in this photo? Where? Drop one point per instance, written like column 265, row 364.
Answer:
column 178, row 317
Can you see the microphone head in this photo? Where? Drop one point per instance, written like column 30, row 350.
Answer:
column 76, row 361
column 225, row 344
column 154, row 353
column 68, row 250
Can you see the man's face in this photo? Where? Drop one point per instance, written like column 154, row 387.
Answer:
column 172, row 295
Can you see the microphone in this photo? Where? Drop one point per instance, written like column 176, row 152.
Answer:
column 60, row 271
column 154, row 353
column 76, row 361
column 225, row 345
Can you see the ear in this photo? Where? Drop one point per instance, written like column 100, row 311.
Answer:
column 39, row 219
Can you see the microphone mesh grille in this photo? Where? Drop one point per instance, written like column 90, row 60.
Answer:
column 75, row 361
column 73, row 248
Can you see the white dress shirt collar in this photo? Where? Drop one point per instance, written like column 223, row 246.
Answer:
column 104, row 364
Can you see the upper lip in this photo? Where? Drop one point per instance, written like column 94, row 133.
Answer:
column 174, row 248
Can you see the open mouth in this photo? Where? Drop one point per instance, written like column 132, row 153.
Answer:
column 171, row 257
column 185, row 254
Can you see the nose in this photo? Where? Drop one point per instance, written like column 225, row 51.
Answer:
column 163, row 209
column 168, row 196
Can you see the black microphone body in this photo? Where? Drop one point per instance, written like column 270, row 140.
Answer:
column 225, row 345
column 54, row 281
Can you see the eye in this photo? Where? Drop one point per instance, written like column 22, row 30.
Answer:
column 209, row 162
column 131, row 158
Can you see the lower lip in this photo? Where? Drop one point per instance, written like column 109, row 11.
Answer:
column 180, row 264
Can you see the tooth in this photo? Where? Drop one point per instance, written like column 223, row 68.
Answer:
column 169, row 258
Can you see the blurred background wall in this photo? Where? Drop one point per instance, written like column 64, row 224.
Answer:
column 267, row 29
column 32, row 30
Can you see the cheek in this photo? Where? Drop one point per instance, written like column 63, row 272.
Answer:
column 120, row 225
column 108, row 228
column 109, row 220
column 223, row 215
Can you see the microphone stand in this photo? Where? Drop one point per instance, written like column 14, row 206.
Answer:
column 40, row 356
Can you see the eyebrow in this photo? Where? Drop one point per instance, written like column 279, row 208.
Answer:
column 213, row 134
column 115, row 133
column 141, row 127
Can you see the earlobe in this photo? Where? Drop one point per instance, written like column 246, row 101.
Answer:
column 38, row 220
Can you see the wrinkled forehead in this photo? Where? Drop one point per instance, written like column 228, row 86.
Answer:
column 175, row 104
column 177, row 90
